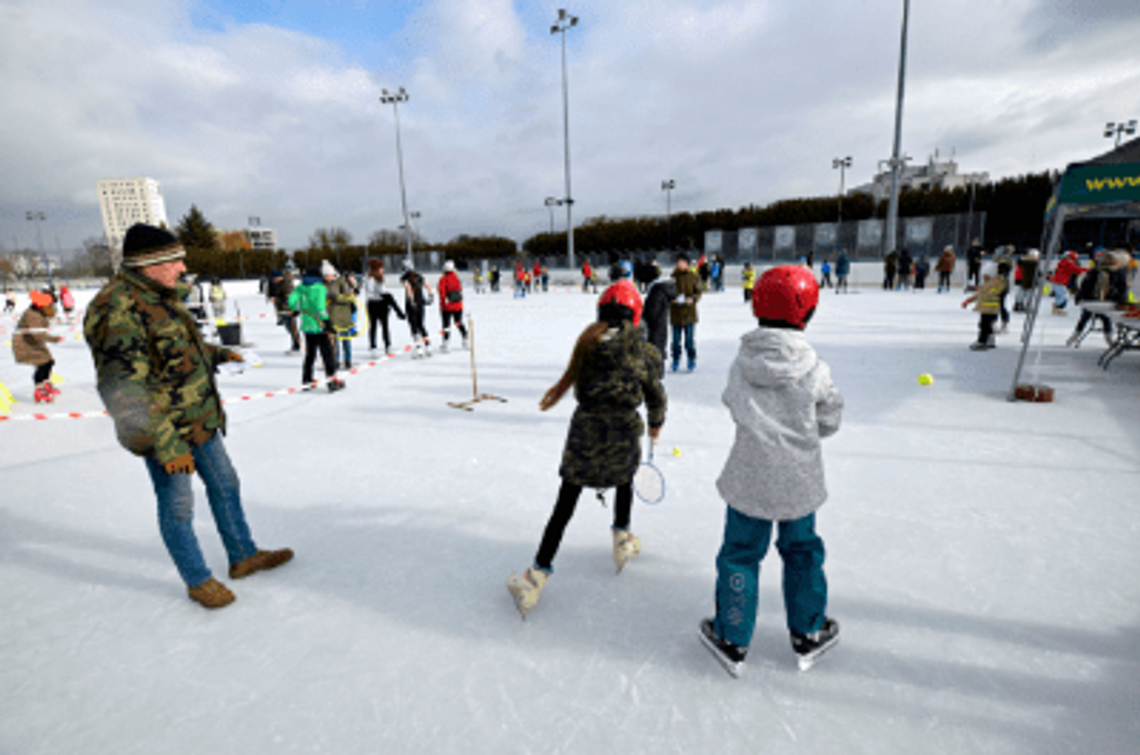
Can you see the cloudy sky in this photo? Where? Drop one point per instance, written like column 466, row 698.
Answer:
column 270, row 108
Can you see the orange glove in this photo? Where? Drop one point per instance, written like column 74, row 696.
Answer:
column 184, row 464
column 235, row 356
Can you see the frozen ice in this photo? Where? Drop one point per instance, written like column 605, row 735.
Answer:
column 982, row 558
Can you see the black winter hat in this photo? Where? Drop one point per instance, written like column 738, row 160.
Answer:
column 145, row 245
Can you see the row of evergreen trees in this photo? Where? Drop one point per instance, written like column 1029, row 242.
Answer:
column 1014, row 207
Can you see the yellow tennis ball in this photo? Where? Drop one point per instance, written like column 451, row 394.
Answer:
column 676, row 450
column 925, row 379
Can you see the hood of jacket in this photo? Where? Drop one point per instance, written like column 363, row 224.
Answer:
column 771, row 357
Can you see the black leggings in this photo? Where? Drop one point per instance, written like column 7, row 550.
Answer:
column 448, row 318
column 43, row 372
column 378, row 312
column 315, row 342
column 416, row 321
column 564, row 511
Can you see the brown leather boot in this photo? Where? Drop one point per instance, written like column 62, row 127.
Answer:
column 260, row 561
column 211, row 594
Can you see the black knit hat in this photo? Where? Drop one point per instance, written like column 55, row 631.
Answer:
column 145, row 245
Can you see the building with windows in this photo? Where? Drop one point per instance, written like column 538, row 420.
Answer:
column 124, row 202
column 928, row 176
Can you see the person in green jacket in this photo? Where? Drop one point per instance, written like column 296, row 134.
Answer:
column 155, row 376
column 311, row 300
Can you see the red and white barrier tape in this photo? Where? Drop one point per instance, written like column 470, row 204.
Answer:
column 237, row 399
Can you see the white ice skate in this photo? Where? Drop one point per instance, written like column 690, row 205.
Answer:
column 526, row 588
column 626, row 546
column 419, row 352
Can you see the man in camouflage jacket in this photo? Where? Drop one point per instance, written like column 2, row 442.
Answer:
column 156, row 379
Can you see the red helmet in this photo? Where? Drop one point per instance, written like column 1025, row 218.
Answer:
column 788, row 293
column 623, row 293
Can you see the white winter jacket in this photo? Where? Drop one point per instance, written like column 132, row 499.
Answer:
column 373, row 289
column 782, row 401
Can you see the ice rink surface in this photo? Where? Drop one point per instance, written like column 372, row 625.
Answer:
column 982, row 558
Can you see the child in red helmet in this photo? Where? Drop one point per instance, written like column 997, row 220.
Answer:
column 782, row 400
column 612, row 370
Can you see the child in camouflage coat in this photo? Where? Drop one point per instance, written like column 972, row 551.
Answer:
column 612, row 370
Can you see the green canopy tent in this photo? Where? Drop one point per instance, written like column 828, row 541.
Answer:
column 1104, row 187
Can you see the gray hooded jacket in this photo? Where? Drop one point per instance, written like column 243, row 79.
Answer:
column 782, row 401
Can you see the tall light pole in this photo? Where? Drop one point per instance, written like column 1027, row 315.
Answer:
column 1117, row 129
column 394, row 99
column 893, row 206
column 566, row 21
column 551, row 203
column 38, row 216
column 843, row 163
column 667, row 186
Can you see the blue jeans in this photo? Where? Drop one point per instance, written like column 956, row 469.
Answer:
column 745, row 543
column 176, row 510
column 688, row 332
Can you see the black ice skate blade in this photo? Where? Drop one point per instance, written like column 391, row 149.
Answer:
column 734, row 668
column 807, row 660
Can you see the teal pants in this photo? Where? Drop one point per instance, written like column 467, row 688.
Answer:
column 746, row 541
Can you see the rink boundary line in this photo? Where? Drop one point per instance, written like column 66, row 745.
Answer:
column 292, row 390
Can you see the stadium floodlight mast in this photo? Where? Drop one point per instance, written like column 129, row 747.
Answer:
column 551, row 203
column 842, row 163
column 394, row 99
column 1117, row 129
column 667, row 186
column 39, row 216
column 891, row 236
column 566, row 21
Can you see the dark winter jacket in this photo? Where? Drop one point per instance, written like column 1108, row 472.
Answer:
column 655, row 314
column 843, row 266
column 603, row 445
column 155, row 373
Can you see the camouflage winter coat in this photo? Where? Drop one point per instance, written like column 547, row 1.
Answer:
column 155, row 373
column 603, row 446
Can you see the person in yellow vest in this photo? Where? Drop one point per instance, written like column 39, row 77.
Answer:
column 987, row 303
column 749, row 279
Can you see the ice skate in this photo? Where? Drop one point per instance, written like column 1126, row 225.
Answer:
column 692, row 364
column 427, row 348
column 1059, row 310
column 419, row 352
column 466, row 344
column 444, row 348
column 1072, row 340
column 43, row 396
column 809, row 647
column 730, row 656
column 626, row 546
column 526, row 588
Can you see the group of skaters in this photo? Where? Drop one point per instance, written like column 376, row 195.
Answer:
column 1106, row 276
column 323, row 312
column 771, row 484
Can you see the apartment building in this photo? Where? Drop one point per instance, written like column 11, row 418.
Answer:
column 124, row 202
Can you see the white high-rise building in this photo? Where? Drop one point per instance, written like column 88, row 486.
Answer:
column 126, row 201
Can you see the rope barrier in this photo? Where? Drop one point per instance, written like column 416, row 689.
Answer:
column 289, row 391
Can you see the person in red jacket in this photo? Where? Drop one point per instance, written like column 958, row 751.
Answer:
column 451, row 303
column 587, row 276
column 1066, row 274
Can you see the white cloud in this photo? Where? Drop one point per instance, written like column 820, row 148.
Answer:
column 740, row 102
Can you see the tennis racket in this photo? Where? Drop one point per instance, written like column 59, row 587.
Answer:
column 648, row 482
